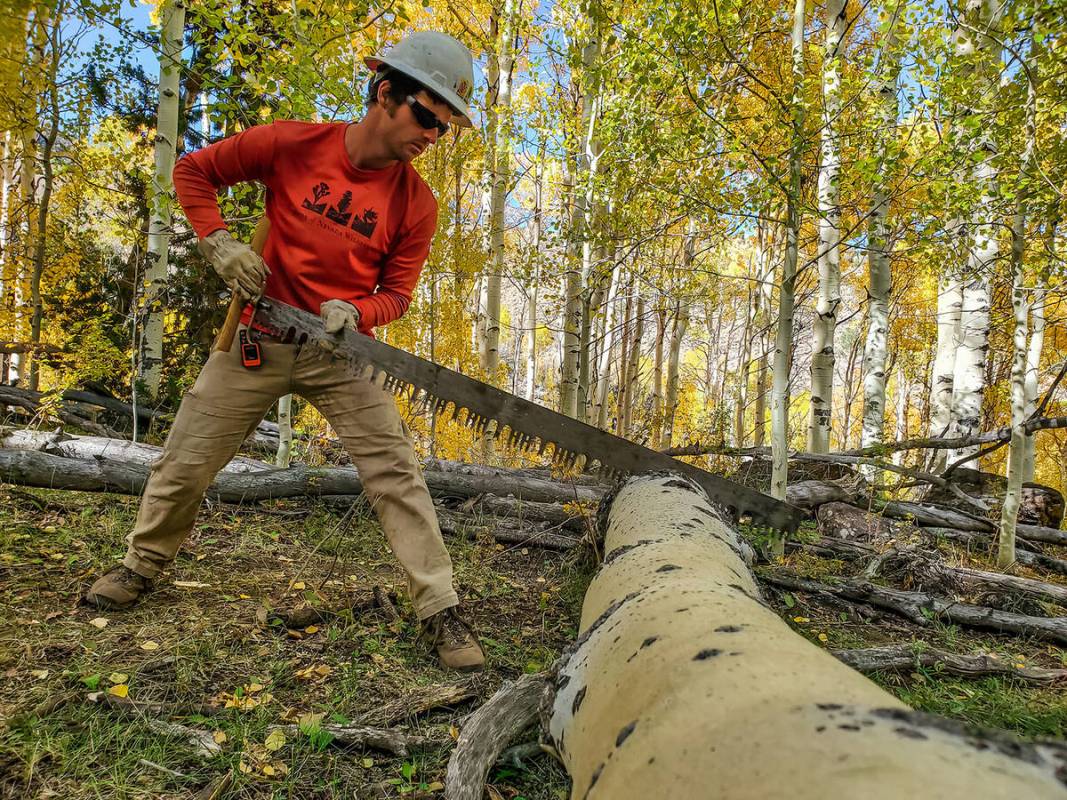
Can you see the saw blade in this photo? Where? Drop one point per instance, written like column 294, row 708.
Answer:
column 518, row 423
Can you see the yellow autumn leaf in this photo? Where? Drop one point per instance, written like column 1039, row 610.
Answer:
column 149, row 645
column 252, row 688
column 118, row 677
column 247, row 770
column 822, row 637
column 453, row 731
column 297, row 585
column 39, row 673
column 436, row 786
column 219, row 737
column 801, row 619
column 368, row 763
column 275, row 740
column 311, row 629
column 119, row 690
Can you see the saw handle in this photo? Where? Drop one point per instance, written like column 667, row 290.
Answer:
column 224, row 340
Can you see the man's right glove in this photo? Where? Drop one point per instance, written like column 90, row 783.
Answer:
column 236, row 263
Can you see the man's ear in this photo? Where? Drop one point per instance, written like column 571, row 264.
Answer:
column 384, row 98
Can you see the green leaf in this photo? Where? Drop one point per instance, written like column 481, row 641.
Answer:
column 92, row 681
column 787, row 598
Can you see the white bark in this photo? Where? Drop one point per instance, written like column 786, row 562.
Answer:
column 172, row 18
column 572, row 308
column 531, row 313
column 633, row 367
column 599, row 415
column 684, row 684
column 285, row 432
column 489, row 166
column 1019, row 367
column 979, row 53
column 1033, row 359
column 949, row 303
column 875, row 351
column 783, row 346
column 674, row 363
column 490, row 345
column 822, row 358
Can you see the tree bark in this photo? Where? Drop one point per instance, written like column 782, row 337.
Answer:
column 674, row 364
column 150, row 364
column 675, row 617
column 783, row 348
column 822, row 357
column 285, row 432
column 875, row 351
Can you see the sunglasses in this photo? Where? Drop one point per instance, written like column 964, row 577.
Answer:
column 426, row 118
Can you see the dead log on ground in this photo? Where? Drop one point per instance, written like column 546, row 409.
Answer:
column 849, row 522
column 915, row 564
column 505, row 531
column 419, row 701
column 812, row 494
column 1024, row 556
column 894, row 658
column 385, row 739
column 28, row 468
column 682, row 683
column 921, row 607
column 488, row 731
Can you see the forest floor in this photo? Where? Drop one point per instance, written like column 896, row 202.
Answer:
column 204, row 647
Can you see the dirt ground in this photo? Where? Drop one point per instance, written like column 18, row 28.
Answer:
column 207, row 650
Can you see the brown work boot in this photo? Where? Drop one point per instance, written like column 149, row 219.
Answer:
column 454, row 638
column 117, row 588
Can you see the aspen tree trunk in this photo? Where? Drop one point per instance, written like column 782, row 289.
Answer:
column 599, row 414
column 531, row 314
column 588, row 214
column 783, row 347
column 684, row 684
column 489, row 167
column 949, row 306
column 172, row 19
column 572, row 309
column 1033, row 353
column 633, row 367
column 1019, row 401
column 681, row 322
column 767, row 242
column 622, row 414
column 903, row 401
column 657, row 374
column 7, row 182
column 50, row 30
column 875, row 351
column 285, row 432
column 744, row 374
column 969, row 380
column 822, row 358
column 490, row 346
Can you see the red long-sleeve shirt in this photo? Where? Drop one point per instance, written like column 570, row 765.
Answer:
column 336, row 231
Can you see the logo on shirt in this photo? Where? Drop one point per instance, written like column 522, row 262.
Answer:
column 341, row 214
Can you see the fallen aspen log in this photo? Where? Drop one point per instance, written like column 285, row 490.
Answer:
column 892, row 658
column 387, row 739
column 87, row 447
column 1024, row 553
column 684, row 684
column 29, row 468
column 921, row 607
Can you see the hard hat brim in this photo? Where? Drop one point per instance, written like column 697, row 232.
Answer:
column 460, row 110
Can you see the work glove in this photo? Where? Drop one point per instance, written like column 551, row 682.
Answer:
column 338, row 315
column 236, row 263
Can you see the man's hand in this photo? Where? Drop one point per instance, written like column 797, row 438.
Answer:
column 236, row 263
column 338, row 315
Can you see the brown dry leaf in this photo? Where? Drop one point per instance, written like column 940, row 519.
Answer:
column 453, row 731
column 119, row 690
column 99, row 622
column 377, row 658
column 310, row 719
column 294, row 634
column 40, row 674
column 149, row 645
column 323, row 671
column 252, row 688
column 493, row 793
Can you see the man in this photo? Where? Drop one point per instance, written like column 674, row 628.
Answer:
column 350, row 227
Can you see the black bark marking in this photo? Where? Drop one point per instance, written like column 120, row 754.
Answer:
column 829, row 706
column 668, row 568
column 678, row 483
column 820, row 729
column 710, row 652
column 735, row 653
column 578, row 698
column 595, row 778
column 680, row 610
column 561, row 684
column 648, row 641
column 849, row 727
column 910, row 733
column 624, row 734
column 728, row 629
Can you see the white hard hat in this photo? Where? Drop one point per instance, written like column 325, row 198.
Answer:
column 437, row 61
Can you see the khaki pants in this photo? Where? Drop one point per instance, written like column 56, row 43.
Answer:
column 224, row 407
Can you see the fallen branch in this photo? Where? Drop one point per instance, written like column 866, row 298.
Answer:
column 386, row 739
column 419, row 701
column 489, row 730
column 912, row 656
column 921, row 607
column 381, row 599
column 202, row 742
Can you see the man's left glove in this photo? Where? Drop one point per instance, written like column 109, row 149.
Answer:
column 338, row 315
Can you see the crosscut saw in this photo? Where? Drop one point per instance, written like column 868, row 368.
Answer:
column 519, row 423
